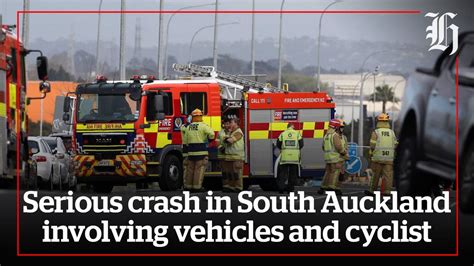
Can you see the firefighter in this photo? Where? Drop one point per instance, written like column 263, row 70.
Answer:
column 221, row 151
column 345, row 145
column 183, row 130
column 198, row 135
column 333, row 154
column 382, row 145
column 290, row 142
column 234, row 156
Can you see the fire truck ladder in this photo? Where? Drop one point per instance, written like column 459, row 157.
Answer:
column 232, row 85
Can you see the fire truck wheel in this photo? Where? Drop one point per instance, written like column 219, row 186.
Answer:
column 467, row 181
column 171, row 177
column 103, row 188
column 268, row 184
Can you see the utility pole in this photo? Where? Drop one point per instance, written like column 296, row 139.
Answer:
column 26, row 23
column 138, row 40
column 97, row 48
column 214, row 49
column 252, row 47
column 160, row 40
column 122, row 66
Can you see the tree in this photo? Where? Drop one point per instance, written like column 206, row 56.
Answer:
column 384, row 94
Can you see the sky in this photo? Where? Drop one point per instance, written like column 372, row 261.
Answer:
column 370, row 27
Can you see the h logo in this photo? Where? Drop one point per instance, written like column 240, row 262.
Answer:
column 438, row 32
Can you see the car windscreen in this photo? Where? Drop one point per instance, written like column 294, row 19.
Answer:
column 117, row 107
column 52, row 143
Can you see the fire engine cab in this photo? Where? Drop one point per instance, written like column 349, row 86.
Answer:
column 129, row 131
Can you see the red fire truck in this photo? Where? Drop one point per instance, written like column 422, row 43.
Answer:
column 13, row 118
column 129, row 131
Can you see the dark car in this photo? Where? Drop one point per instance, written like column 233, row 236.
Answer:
column 426, row 155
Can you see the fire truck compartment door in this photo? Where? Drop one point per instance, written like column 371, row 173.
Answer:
column 3, row 123
column 261, row 146
column 312, row 156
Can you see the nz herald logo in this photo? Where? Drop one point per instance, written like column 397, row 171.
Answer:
column 440, row 33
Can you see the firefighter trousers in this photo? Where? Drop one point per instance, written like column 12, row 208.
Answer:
column 381, row 170
column 185, row 173
column 331, row 176
column 287, row 173
column 195, row 173
column 232, row 173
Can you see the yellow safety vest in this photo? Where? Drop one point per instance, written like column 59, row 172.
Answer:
column 330, row 153
column 198, row 134
column 235, row 151
column 184, row 141
column 385, row 145
column 290, row 147
column 344, row 146
column 220, row 143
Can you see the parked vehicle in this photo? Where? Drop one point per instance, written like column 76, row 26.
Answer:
column 426, row 155
column 67, row 140
column 46, row 163
column 64, row 159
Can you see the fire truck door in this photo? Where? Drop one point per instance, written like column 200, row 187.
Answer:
column 315, row 124
column 261, row 146
column 3, row 123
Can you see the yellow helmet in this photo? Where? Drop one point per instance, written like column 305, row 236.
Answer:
column 196, row 112
column 383, row 117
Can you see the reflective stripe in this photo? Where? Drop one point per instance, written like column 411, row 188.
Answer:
column 162, row 139
column 193, row 147
column 258, row 134
column 3, row 110
column 12, row 92
column 273, row 130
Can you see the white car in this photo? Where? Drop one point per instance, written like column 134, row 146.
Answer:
column 64, row 159
column 46, row 163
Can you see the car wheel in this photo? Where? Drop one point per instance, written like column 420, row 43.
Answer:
column 466, row 200
column 409, row 180
column 171, row 177
column 103, row 188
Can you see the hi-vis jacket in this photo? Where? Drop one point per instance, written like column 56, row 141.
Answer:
column 198, row 134
column 290, row 142
column 332, row 147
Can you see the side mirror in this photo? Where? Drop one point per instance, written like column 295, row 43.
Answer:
column 42, row 67
column 59, row 155
column 44, row 87
column 66, row 104
column 136, row 92
column 66, row 117
column 34, row 150
column 466, row 76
